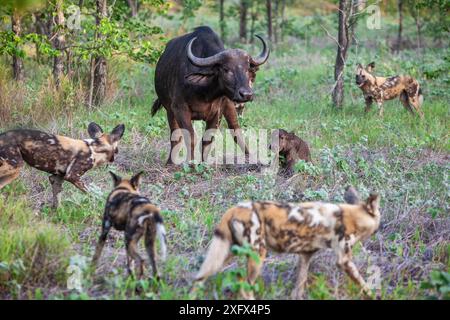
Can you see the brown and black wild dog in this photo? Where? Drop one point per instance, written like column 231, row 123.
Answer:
column 379, row 89
column 291, row 147
column 66, row 159
column 302, row 228
column 126, row 210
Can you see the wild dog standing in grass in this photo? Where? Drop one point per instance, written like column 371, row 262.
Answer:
column 379, row 89
column 126, row 210
column 65, row 158
column 302, row 228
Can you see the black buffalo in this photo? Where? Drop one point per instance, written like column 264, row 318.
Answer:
column 196, row 78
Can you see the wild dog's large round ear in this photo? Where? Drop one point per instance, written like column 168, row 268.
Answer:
column 359, row 66
column 116, row 178
column 351, row 196
column 370, row 66
column 136, row 180
column 117, row 132
column 373, row 202
column 94, row 130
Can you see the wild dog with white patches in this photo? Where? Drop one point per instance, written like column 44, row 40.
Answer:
column 302, row 228
column 65, row 158
column 379, row 89
column 126, row 210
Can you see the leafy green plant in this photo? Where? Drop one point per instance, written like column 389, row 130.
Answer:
column 438, row 285
column 233, row 279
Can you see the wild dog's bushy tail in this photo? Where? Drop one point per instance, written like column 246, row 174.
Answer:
column 217, row 253
column 160, row 230
column 420, row 95
column 156, row 106
column 161, row 233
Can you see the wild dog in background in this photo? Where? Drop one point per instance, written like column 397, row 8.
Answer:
column 291, row 148
column 379, row 89
column 126, row 210
column 302, row 228
column 65, row 158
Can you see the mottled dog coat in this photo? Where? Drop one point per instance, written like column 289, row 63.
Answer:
column 291, row 148
column 302, row 228
column 379, row 89
column 65, row 158
column 126, row 210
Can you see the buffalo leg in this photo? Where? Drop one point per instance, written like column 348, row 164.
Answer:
column 184, row 119
column 208, row 137
column 231, row 117
column 175, row 136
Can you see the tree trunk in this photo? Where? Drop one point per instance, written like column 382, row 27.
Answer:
column 59, row 43
column 283, row 19
column 353, row 19
column 400, row 25
column 243, row 9
column 17, row 63
column 275, row 18
column 269, row 19
column 345, row 9
column 222, row 19
column 419, row 31
column 99, row 65
column 133, row 7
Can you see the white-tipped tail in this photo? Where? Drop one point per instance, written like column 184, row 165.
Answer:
column 216, row 255
column 161, row 232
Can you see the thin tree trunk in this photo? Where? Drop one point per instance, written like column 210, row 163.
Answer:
column 283, row 19
column 400, row 25
column 222, row 19
column 275, row 18
column 59, row 44
column 133, row 7
column 345, row 10
column 269, row 19
column 243, row 9
column 353, row 19
column 100, row 67
column 17, row 63
column 419, row 31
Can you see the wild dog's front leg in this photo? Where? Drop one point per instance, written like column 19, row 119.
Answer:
column 380, row 108
column 302, row 276
column 231, row 117
column 56, row 182
column 345, row 263
column 368, row 101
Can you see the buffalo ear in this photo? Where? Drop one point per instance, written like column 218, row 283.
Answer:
column 94, row 130
column 370, row 66
column 200, row 79
column 136, row 180
column 117, row 132
column 116, row 179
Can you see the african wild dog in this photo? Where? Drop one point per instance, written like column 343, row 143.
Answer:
column 126, row 210
column 379, row 89
column 302, row 228
column 65, row 158
column 291, row 148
